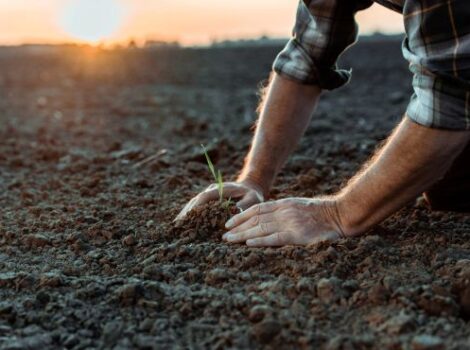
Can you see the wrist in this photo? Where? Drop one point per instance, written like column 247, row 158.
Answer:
column 257, row 183
column 352, row 216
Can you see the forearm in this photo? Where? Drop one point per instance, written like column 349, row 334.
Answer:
column 285, row 114
column 412, row 160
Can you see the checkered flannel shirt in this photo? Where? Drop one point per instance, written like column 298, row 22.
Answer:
column 437, row 46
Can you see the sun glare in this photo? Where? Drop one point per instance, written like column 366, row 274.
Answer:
column 92, row 20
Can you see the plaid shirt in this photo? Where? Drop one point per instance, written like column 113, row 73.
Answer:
column 437, row 45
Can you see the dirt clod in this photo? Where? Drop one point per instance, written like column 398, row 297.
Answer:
column 329, row 289
column 266, row 330
column 259, row 312
column 399, row 324
column 205, row 222
column 427, row 342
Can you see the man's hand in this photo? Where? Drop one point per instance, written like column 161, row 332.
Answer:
column 247, row 192
column 290, row 221
column 285, row 113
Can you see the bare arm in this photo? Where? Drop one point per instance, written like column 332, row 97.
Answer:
column 413, row 159
column 285, row 114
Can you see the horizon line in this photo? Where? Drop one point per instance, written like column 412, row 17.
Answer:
column 143, row 42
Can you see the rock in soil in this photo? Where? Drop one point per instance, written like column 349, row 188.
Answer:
column 427, row 342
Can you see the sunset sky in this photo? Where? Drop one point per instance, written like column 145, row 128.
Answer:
column 188, row 21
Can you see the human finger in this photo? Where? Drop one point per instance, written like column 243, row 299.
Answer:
column 210, row 194
column 276, row 239
column 185, row 210
column 253, row 222
column 257, row 209
column 249, row 200
column 200, row 199
column 260, row 230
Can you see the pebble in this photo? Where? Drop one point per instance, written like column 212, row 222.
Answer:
column 146, row 325
column 112, row 332
column 216, row 276
column 305, row 285
column 399, row 324
column 143, row 341
column 266, row 330
column 39, row 341
column 71, row 341
column 427, row 342
column 6, row 308
column 43, row 297
column 4, row 329
column 390, row 283
column 328, row 289
column 7, row 278
column 51, row 279
column 36, row 240
column 129, row 240
column 259, row 312
column 129, row 293
column 378, row 294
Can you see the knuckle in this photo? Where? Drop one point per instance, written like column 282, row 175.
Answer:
column 288, row 210
column 263, row 228
column 285, row 202
column 239, row 237
column 278, row 238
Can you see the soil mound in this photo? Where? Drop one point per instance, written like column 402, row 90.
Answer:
column 206, row 222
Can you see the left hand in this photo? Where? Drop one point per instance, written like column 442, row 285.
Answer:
column 290, row 221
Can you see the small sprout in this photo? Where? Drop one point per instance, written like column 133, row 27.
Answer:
column 226, row 204
column 220, row 185
column 218, row 180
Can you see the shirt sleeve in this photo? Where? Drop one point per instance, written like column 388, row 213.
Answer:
column 438, row 49
column 323, row 30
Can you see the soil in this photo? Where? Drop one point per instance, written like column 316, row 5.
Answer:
column 99, row 150
column 203, row 223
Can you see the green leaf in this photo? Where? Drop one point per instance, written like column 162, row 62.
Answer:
column 217, row 175
column 209, row 162
column 220, row 185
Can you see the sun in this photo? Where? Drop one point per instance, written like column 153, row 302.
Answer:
column 91, row 20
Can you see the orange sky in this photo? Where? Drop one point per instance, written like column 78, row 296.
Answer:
column 188, row 21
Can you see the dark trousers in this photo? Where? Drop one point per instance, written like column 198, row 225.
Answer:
column 452, row 193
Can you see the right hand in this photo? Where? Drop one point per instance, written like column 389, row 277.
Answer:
column 247, row 192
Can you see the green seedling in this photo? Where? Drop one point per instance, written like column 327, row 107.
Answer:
column 218, row 179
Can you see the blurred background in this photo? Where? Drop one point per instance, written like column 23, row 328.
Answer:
column 187, row 22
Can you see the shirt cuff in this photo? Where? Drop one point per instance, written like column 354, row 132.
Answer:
column 440, row 103
column 294, row 63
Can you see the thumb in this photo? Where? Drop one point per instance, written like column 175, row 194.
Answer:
column 249, row 200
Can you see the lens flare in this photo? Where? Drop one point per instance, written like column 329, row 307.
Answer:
column 92, row 20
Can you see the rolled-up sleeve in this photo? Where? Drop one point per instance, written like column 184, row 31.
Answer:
column 438, row 49
column 323, row 30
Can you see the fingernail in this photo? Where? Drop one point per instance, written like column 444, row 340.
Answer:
column 229, row 237
column 229, row 223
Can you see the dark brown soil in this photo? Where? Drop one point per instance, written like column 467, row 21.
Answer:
column 203, row 223
column 100, row 150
